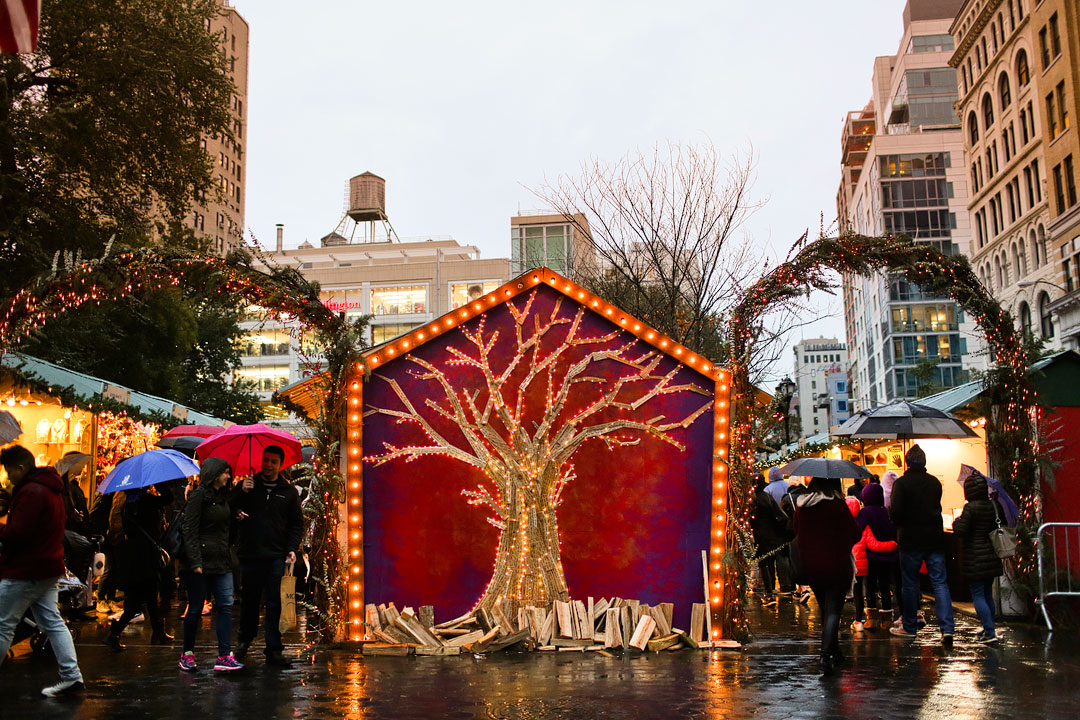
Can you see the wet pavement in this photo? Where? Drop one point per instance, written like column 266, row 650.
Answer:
column 774, row 677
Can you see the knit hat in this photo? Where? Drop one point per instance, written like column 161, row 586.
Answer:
column 915, row 458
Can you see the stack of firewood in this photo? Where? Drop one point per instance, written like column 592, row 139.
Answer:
column 577, row 625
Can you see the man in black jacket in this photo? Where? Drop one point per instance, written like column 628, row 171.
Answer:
column 916, row 512
column 270, row 529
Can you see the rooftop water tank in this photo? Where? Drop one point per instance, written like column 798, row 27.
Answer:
column 367, row 197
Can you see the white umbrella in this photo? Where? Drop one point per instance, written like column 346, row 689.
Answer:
column 73, row 462
column 9, row 427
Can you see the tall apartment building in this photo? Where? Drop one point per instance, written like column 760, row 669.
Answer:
column 821, row 387
column 903, row 173
column 1001, row 59
column 1056, row 24
column 220, row 220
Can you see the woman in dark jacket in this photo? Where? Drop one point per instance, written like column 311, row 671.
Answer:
column 883, row 568
column 207, row 563
column 825, row 532
column 769, row 526
column 143, row 520
column 981, row 564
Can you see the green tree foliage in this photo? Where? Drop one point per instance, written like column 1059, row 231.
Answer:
column 101, row 137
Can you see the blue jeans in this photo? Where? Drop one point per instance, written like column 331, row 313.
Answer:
column 910, row 562
column 982, row 596
column 221, row 587
column 260, row 581
column 40, row 596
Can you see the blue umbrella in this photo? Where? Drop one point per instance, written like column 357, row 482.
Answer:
column 997, row 492
column 148, row 468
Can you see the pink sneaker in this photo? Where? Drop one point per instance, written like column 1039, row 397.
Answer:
column 187, row 662
column 227, row 663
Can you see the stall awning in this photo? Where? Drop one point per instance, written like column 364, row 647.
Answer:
column 88, row 386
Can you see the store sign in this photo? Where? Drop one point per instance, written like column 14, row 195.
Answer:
column 115, row 392
column 179, row 412
column 343, row 305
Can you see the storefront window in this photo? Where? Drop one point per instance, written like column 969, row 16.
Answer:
column 265, row 343
column 402, row 300
column 382, row 333
column 462, row 293
column 350, row 301
column 264, row 379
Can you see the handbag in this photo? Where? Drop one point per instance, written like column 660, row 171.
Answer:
column 163, row 558
column 287, row 619
column 1003, row 538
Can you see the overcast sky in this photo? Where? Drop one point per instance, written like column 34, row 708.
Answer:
column 463, row 106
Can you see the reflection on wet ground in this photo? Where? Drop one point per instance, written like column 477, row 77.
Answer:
column 775, row 677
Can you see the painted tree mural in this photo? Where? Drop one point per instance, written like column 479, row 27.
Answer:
column 518, row 409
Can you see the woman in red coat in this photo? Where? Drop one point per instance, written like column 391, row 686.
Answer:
column 825, row 532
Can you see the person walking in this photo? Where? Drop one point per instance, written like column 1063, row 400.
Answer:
column 270, row 529
column 916, row 512
column 825, row 532
column 858, row 552
column 778, row 488
column 206, row 564
column 981, row 563
column 143, row 520
column 882, row 556
column 32, row 562
column 769, row 526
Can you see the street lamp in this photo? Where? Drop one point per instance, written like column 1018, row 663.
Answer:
column 785, row 390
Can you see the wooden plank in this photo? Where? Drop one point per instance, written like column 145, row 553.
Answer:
column 662, row 643
column 383, row 636
column 506, row 625
column 451, row 632
column 697, row 622
column 591, row 615
column 612, row 636
column 625, row 626
column 486, row 621
column 391, row 615
column 669, row 612
column 462, row 640
column 663, row 627
column 371, row 616
column 548, row 628
column 547, row 648
column 727, row 644
column 383, row 621
column 600, row 609
column 509, row 640
column 642, row 632
column 635, row 610
column 480, row 645
column 408, row 622
column 444, row 650
column 463, row 620
column 686, row 639
column 605, row 653
column 427, row 616
column 705, row 575
column 386, row 649
column 572, row 642
column 581, row 621
column 565, row 617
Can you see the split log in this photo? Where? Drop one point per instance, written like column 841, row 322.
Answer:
column 572, row 642
column 635, row 610
column 463, row 640
column 383, row 636
column 686, row 639
column 646, row 626
column 662, row 643
column 427, row 616
column 547, row 648
column 581, row 621
column 600, row 609
column 605, row 653
column 371, row 616
column 452, row 632
column 508, row 641
column 697, row 622
column 444, row 650
column 386, row 649
column 626, row 628
column 669, row 612
column 612, row 633
column 383, row 621
column 506, row 625
column 663, row 627
column 408, row 622
column 565, row 618
column 480, row 645
column 590, row 614
column 463, row 620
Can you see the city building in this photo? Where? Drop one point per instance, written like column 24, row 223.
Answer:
column 545, row 238
column 902, row 172
column 1056, row 25
column 400, row 283
column 821, row 384
column 1012, row 118
column 220, row 219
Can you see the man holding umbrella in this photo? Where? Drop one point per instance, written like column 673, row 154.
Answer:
column 270, row 531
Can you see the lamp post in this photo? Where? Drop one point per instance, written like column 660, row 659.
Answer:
column 785, row 390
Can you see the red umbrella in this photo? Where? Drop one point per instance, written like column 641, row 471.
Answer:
column 242, row 447
column 203, row 431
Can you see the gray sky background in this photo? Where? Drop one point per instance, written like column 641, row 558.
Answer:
column 463, row 106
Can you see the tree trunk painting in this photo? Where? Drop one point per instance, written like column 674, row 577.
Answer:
column 528, row 406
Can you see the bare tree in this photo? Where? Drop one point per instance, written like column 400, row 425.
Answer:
column 664, row 231
column 526, row 456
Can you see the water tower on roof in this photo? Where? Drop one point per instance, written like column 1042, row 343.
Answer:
column 365, row 214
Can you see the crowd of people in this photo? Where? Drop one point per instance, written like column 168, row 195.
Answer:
column 871, row 545
column 241, row 533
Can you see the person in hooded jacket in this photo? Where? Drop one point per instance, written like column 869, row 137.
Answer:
column 206, row 562
column 32, row 561
column 882, row 556
column 981, row 563
column 769, row 526
column 916, row 511
column 825, row 532
column 858, row 552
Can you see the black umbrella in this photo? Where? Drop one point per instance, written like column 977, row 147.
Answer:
column 183, row 443
column 825, row 468
column 904, row 420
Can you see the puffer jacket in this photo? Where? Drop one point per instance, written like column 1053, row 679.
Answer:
column 916, row 511
column 859, row 548
column 875, row 516
column 206, row 522
column 33, row 538
column 973, row 528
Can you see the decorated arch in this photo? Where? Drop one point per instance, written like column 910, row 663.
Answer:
column 1010, row 436
column 280, row 294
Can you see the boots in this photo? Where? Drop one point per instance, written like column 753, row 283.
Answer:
column 112, row 639
column 159, row 636
column 871, row 618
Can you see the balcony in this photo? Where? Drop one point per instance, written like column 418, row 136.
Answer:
column 858, row 133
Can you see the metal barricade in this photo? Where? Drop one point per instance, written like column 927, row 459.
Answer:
column 1056, row 544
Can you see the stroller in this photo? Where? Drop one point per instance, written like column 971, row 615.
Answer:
column 71, row 588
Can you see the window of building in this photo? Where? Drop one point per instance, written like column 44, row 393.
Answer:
column 973, row 128
column 988, row 111
column 349, row 301
column 541, row 246
column 1023, row 72
column 266, row 378
column 930, row 43
column 400, row 300
column 1070, row 181
column 1055, row 37
column 1046, row 321
column 1004, row 91
column 265, row 343
column 931, row 96
column 1059, row 189
column 462, row 293
column 384, row 333
column 1063, row 108
column 914, row 193
column 1044, row 48
column 1025, row 318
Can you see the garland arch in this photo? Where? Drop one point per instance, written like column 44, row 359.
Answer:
column 283, row 294
column 1010, row 430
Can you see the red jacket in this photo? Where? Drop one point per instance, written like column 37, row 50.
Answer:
column 33, row 538
column 859, row 548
